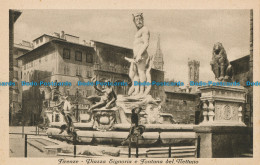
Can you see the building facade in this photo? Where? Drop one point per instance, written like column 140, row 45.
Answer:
column 13, row 16
column 18, row 50
column 111, row 65
column 54, row 60
column 243, row 72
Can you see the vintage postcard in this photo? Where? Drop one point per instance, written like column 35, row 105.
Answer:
column 134, row 82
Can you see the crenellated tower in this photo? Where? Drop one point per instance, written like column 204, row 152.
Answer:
column 193, row 70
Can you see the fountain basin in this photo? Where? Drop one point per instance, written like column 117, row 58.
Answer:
column 166, row 135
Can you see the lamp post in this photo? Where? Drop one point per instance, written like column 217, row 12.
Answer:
column 77, row 104
column 22, row 120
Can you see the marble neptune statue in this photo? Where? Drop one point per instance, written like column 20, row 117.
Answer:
column 141, row 64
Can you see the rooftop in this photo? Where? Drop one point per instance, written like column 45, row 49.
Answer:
column 48, row 36
column 16, row 14
column 108, row 44
column 21, row 46
column 247, row 57
column 181, row 93
column 52, row 41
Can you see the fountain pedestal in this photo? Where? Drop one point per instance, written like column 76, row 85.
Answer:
column 222, row 133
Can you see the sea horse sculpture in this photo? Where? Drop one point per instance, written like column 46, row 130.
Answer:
column 64, row 108
column 136, row 130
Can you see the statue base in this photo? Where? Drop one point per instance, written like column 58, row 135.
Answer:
column 223, row 133
column 223, row 141
column 222, row 105
column 151, row 109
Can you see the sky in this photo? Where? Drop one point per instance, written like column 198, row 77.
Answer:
column 184, row 34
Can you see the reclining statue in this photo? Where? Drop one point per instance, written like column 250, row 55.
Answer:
column 107, row 100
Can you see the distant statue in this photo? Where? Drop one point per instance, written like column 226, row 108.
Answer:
column 107, row 99
column 55, row 92
column 45, row 120
column 220, row 64
column 141, row 61
column 46, row 91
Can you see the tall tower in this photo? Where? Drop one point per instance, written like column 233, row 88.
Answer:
column 193, row 70
column 158, row 57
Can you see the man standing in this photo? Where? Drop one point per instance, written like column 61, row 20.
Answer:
column 141, row 43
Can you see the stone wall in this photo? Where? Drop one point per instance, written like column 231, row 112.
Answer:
column 184, row 107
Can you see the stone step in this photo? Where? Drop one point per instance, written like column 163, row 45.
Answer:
column 133, row 154
column 41, row 145
column 247, row 155
column 173, row 155
column 72, row 155
column 36, row 145
column 172, row 148
column 53, row 150
column 178, row 152
column 173, row 151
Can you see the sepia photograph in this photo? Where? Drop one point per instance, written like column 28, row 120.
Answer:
column 128, row 83
column 135, row 85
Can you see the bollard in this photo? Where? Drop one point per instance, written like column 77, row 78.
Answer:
column 170, row 151
column 75, row 150
column 25, row 146
column 198, row 147
column 129, row 149
column 136, row 147
column 75, row 145
column 23, row 131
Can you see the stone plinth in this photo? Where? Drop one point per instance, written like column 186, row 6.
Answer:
column 222, row 105
column 223, row 141
column 222, row 132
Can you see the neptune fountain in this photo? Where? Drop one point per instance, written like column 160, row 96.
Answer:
column 119, row 120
